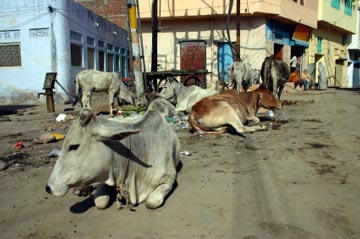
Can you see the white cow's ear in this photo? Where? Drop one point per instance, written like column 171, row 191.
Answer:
column 111, row 130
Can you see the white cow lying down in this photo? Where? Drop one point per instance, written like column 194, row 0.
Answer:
column 182, row 96
column 137, row 156
column 97, row 81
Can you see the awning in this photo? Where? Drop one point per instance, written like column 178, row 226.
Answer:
column 299, row 43
column 301, row 36
column 301, row 33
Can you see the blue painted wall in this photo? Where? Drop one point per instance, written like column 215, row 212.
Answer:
column 42, row 28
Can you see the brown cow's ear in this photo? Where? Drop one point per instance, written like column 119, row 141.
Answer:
column 85, row 116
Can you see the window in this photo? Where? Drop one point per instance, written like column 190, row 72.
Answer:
column 76, row 55
column 117, row 63
column 101, row 61
column 91, row 58
column 124, row 63
column 100, row 44
column 348, row 7
column 335, row 4
column 75, row 36
column 319, row 45
column 109, row 62
column 90, row 41
column 343, row 40
column 10, row 55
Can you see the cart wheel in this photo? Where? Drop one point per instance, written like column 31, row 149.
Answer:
column 192, row 80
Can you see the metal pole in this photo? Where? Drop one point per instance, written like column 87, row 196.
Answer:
column 238, row 30
column 154, row 53
column 139, row 82
column 50, row 100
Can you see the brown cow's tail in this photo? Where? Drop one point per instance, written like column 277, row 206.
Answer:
column 193, row 123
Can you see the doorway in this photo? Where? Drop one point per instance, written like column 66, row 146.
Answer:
column 225, row 59
column 278, row 50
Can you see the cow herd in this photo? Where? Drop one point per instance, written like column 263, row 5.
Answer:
column 137, row 157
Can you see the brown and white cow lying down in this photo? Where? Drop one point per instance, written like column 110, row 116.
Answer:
column 214, row 114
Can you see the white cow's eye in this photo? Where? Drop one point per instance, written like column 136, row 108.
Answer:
column 73, row 147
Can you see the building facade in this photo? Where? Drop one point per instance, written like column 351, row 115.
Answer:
column 337, row 21
column 266, row 27
column 114, row 11
column 353, row 70
column 43, row 36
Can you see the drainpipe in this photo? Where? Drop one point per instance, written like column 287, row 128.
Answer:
column 154, row 40
column 134, row 33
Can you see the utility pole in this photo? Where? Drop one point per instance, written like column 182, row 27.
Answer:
column 155, row 30
column 238, row 30
column 134, row 34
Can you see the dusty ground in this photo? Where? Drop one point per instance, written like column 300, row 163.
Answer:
column 299, row 179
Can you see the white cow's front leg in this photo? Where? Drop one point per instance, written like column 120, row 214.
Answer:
column 86, row 96
column 156, row 198
column 111, row 102
column 103, row 192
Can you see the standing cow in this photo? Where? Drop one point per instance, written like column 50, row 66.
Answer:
column 138, row 155
column 241, row 74
column 97, row 81
column 274, row 73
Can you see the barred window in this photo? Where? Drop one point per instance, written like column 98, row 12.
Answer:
column 75, row 36
column 100, row 44
column 10, row 55
column 110, row 47
column 90, row 41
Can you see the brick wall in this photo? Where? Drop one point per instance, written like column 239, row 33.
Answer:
column 112, row 10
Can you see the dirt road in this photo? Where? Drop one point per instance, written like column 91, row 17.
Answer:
column 300, row 179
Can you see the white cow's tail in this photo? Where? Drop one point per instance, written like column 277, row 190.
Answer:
column 77, row 89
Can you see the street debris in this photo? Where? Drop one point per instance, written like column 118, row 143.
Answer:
column 48, row 138
column 185, row 153
column 297, row 102
column 3, row 165
column 19, row 145
column 54, row 153
column 64, row 117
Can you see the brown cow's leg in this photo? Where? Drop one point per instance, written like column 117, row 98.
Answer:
column 240, row 128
